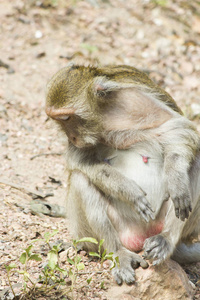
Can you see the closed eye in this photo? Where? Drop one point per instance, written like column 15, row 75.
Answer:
column 62, row 117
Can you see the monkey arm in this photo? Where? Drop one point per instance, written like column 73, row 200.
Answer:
column 109, row 181
column 181, row 142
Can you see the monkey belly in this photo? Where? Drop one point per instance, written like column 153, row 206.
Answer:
column 145, row 167
column 134, row 239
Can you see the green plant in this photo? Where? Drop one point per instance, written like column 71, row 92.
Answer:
column 160, row 2
column 104, row 256
column 89, row 48
column 52, row 276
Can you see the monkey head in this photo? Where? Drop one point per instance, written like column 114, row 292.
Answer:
column 90, row 102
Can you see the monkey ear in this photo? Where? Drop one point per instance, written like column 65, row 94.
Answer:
column 131, row 108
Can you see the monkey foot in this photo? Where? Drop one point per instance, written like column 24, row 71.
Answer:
column 128, row 261
column 157, row 249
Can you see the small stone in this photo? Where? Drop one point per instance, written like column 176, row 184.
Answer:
column 195, row 109
column 38, row 34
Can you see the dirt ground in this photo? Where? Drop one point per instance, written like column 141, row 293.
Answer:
column 161, row 37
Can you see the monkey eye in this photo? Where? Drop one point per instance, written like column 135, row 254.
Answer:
column 63, row 117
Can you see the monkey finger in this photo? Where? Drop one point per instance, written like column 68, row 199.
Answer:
column 157, row 262
column 188, row 204
column 146, row 255
column 185, row 208
column 148, row 205
column 177, row 206
column 177, row 212
column 144, row 264
column 153, row 254
column 147, row 215
column 146, row 211
column 145, row 218
column 150, row 246
column 184, row 213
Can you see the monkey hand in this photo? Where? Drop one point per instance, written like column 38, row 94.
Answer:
column 181, row 198
column 157, row 249
column 141, row 204
column 128, row 261
column 124, row 189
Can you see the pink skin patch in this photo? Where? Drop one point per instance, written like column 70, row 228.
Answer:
column 135, row 242
column 145, row 159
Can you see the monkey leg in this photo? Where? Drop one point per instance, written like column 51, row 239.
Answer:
column 87, row 214
column 162, row 246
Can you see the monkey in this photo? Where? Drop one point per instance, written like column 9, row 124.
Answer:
column 134, row 165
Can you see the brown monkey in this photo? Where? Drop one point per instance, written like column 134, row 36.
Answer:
column 128, row 141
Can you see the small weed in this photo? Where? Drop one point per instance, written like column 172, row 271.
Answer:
column 162, row 3
column 53, row 278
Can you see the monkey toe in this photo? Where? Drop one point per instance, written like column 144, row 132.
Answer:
column 126, row 275
column 128, row 261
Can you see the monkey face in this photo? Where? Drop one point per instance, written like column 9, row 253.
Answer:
column 81, row 133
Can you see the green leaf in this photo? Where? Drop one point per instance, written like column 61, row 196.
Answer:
column 28, row 250
column 100, row 245
column 53, row 259
column 70, row 261
column 104, row 253
column 64, row 272
column 109, row 256
column 102, row 285
column 160, row 2
column 87, row 239
column 21, row 271
column 89, row 47
column 26, row 276
column 35, row 257
column 94, row 254
column 36, row 240
column 49, row 235
column 78, row 259
column 115, row 261
column 81, row 266
column 23, row 258
column 89, row 280
column 70, row 273
column 10, row 267
column 25, row 285
column 57, row 247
